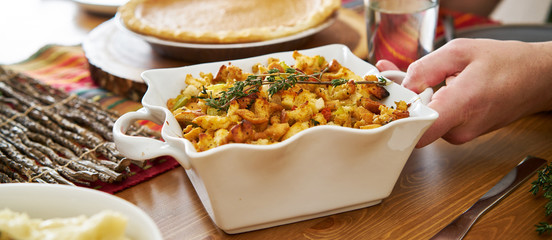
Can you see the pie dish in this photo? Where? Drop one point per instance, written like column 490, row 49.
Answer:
column 211, row 52
column 221, row 21
column 102, row 7
column 320, row 171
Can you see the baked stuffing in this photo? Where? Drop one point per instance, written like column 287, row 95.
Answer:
column 275, row 101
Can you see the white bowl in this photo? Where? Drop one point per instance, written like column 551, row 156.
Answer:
column 320, row 171
column 60, row 201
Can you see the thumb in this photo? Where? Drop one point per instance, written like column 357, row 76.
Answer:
column 434, row 68
column 386, row 65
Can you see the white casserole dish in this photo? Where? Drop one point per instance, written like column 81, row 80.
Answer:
column 320, row 171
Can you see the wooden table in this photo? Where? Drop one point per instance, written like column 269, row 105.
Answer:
column 437, row 184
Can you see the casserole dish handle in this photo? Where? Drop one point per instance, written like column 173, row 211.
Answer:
column 398, row 76
column 143, row 148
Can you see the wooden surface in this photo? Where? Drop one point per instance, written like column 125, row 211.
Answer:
column 438, row 183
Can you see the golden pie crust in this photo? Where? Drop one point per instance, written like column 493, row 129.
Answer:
column 224, row 21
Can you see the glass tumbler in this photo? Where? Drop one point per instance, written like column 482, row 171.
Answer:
column 400, row 30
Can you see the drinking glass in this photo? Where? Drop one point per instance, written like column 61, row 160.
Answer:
column 400, row 30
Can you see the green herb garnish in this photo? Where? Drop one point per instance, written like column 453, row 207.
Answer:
column 314, row 122
column 544, row 183
column 277, row 81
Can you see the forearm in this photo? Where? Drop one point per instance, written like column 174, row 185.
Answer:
column 544, row 66
column 537, row 70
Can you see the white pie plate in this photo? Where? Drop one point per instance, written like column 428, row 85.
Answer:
column 320, row 171
column 201, row 53
column 102, row 7
column 60, row 201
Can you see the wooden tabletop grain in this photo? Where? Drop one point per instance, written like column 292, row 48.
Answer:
column 437, row 184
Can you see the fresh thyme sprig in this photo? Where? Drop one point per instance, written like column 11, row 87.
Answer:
column 277, row 81
column 543, row 228
column 544, row 183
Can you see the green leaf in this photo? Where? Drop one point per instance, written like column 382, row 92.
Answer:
column 543, row 228
column 337, row 82
column 544, row 184
column 382, row 80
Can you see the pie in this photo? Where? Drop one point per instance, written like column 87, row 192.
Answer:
column 223, row 21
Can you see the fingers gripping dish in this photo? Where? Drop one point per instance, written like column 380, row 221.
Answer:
column 273, row 101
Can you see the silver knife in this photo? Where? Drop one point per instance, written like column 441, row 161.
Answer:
column 458, row 228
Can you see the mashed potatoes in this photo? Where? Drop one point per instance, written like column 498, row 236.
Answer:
column 106, row 225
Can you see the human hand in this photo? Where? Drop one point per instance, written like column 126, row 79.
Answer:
column 489, row 84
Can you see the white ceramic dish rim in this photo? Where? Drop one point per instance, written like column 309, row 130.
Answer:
column 189, row 151
column 37, row 199
column 158, row 41
column 107, row 7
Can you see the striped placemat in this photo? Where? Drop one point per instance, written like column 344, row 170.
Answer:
column 66, row 68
